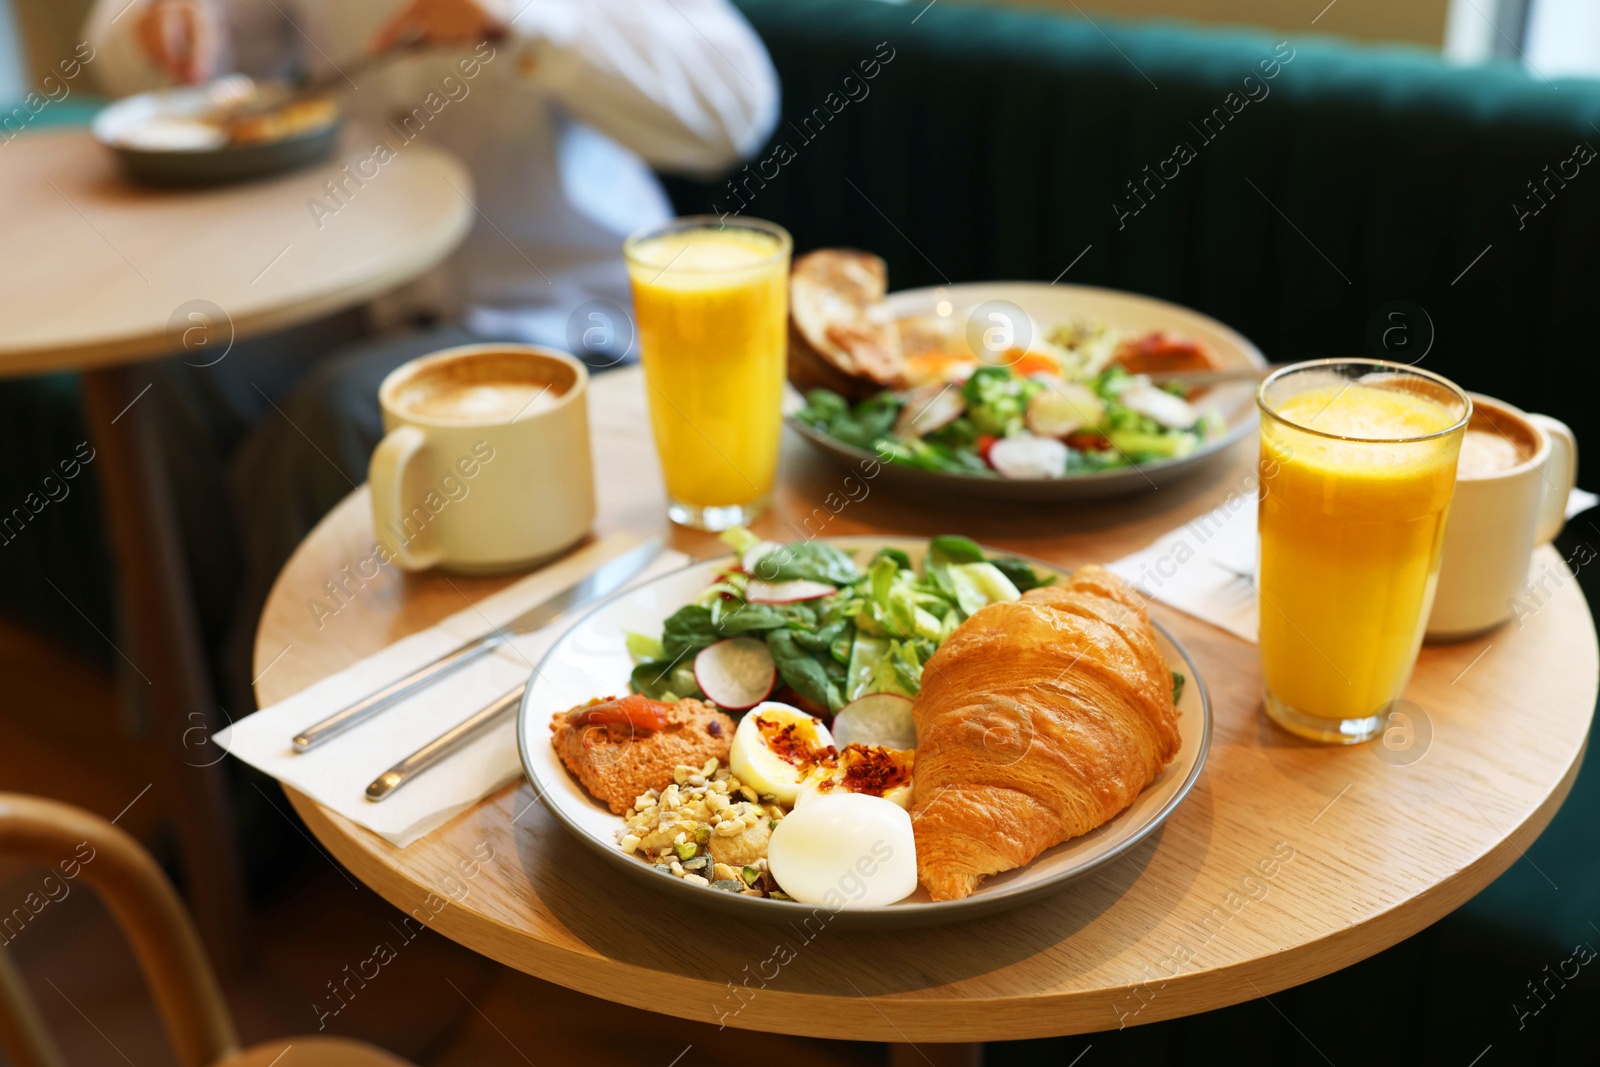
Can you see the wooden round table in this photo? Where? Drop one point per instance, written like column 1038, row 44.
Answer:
column 1288, row 861
column 105, row 276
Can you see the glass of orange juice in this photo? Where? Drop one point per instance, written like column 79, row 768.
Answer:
column 1358, row 465
column 711, row 299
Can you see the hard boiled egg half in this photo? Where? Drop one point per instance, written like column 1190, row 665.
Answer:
column 773, row 748
column 845, row 850
column 870, row 769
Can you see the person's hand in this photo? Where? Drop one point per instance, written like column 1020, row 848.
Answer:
column 182, row 37
column 439, row 22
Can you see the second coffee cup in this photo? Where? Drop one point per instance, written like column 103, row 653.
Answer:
column 1512, row 482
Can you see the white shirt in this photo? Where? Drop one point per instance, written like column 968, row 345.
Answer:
column 559, row 124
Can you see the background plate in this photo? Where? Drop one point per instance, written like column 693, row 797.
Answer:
column 1050, row 305
column 209, row 166
column 590, row 660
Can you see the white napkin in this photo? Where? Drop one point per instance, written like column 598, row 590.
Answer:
column 336, row 774
column 1207, row 567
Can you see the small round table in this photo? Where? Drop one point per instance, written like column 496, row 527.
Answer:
column 105, row 276
column 1288, row 861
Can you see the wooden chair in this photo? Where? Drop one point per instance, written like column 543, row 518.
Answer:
column 164, row 940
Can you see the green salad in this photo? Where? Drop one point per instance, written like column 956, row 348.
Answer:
column 836, row 628
column 999, row 423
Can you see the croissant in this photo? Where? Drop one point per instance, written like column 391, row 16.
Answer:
column 1037, row 721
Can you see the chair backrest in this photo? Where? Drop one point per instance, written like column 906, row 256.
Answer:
column 79, row 844
column 22, row 1033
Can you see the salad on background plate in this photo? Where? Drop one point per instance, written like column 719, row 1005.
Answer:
column 1076, row 400
column 1007, row 390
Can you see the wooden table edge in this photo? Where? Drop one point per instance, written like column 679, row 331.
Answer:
column 100, row 355
column 938, row 1019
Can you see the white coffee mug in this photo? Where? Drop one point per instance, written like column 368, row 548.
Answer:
column 1496, row 519
column 485, row 466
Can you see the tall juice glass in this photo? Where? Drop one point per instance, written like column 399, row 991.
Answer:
column 711, row 298
column 1358, row 465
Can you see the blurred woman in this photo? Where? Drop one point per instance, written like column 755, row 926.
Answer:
column 559, row 109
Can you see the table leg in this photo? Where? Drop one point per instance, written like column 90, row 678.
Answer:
column 164, row 644
column 936, row 1055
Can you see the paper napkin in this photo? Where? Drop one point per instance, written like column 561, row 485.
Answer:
column 336, row 774
column 1205, row 567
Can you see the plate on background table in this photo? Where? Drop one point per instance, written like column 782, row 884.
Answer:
column 1049, row 305
column 180, row 137
column 591, row 659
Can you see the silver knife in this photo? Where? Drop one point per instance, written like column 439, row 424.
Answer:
column 607, row 578
column 441, row 746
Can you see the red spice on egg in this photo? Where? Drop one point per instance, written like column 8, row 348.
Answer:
column 874, row 771
column 786, row 742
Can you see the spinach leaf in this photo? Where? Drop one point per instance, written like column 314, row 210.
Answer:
column 657, row 678
column 958, row 435
column 820, row 640
column 929, row 455
column 859, row 426
column 687, row 631
column 1023, row 576
column 815, row 677
column 754, row 618
column 824, row 406
column 952, row 549
column 812, row 560
column 901, row 560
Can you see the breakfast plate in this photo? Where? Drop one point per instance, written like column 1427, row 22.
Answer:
column 592, row 658
column 1047, row 305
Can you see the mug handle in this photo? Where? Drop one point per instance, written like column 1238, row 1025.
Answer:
column 1560, row 475
column 386, row 476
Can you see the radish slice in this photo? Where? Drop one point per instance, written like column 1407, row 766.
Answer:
column 736, row 674
column 876, row 719
column 756, row 553
column 1029, row 457
column 1064, row 407
column 1173, row 412
column 757, row 591
column 930, row 408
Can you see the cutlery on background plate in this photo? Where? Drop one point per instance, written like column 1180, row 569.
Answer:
column 1196, row 379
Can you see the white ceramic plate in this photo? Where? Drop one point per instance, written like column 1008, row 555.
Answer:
column 1049, row 306
column 590, row 660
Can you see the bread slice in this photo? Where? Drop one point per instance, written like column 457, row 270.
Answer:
column 842, row 333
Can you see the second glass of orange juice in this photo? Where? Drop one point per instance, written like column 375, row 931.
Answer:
column 1358, row 465
column 711, row 299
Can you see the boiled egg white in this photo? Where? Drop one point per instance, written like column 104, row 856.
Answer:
column 773, row 748
column 845, row 850
column 861, row 769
